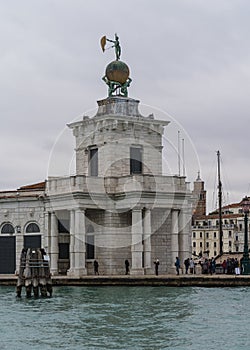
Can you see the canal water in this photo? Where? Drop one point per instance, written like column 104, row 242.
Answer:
column 127, row 318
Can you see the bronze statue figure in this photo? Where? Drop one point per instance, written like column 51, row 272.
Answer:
column 117, row 72
column 116, row 45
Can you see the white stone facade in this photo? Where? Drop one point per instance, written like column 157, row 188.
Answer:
column 117, row 206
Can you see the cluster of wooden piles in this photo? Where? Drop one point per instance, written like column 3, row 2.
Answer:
column 34, row 273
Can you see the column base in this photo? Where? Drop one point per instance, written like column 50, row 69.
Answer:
column 53, row 272
column 70, row 273
column 78, row 272
column 172, row 271
column 137, row 272
column 149, row 271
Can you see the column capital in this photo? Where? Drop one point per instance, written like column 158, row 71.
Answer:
column 81, row 209
column 138, row 208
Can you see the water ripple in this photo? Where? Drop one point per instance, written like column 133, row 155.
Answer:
column 127, row 318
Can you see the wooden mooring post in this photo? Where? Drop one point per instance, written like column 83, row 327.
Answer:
column 34, row 273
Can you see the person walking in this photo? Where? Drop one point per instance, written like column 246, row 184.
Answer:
column 127, row 266
column 96, row 267
column 177, row 265
column 157, row 263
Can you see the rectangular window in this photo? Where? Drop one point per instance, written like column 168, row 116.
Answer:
column 194, row 244
column 214, row 234
column 230, row 244
column 90, row 247
column 63, row 226
column 93, row 162
column 200, row 234
column 135, row 160
column 215, row 253
column 236, row 238
column 200, row 244
column 207, row 244
column 207, row 234
column 63, row 250
column 229, row 233
column 194, row 234
column 214, row 244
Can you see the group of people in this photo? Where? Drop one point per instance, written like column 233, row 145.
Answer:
column 208, row 266
column 127, row 265
column 189, row 265
column 231, row 266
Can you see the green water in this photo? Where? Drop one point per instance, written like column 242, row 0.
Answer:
column 127, row 318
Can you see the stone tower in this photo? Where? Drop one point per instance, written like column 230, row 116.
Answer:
column 118, row 204
column 199, row 193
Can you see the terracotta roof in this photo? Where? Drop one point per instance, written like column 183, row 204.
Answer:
column 215, row 216
column 40, row 186
column 24, row 191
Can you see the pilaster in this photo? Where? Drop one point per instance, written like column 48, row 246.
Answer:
column 184, row 235
column 136, row 246
column 147, row 242
column 174, row 238
column 79, row 243
column 54, row 245
column 70, row 272
column 19, row 247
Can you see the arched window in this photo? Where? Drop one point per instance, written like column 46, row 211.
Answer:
column 7, row 228
column 32, row 228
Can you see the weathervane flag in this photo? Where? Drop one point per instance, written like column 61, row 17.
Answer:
column 103, row 42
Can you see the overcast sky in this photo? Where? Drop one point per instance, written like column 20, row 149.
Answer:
column 189, row 61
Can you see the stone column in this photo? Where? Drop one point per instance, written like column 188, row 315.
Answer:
column 136, row 246
column 147, row 242
column 70, row 272
column 79, row 247
column 54, row 251
column 174, row 238
column 185, row 248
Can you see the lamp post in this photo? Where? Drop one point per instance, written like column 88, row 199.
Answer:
column 245, row 262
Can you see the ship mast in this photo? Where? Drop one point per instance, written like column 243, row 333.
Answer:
column 220, row 205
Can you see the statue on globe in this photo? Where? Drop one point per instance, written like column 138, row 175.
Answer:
column 116, row 45
column 117, row 72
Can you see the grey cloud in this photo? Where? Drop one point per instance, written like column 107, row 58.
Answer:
column 189, row 58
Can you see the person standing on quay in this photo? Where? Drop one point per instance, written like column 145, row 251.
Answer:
column 191, row 268
column 187, row 264
column 127, row 266
column 157, row 263
column 177, row 265
column 96, row 267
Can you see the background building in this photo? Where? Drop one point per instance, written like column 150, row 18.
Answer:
column 205, row 228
